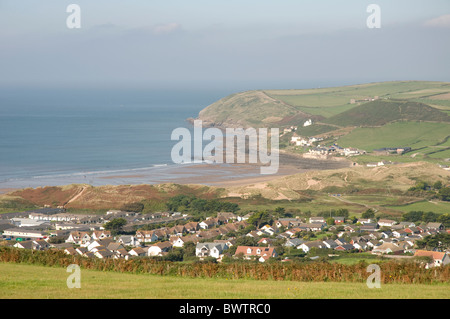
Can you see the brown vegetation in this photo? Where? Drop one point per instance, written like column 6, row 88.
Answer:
column 391, row 272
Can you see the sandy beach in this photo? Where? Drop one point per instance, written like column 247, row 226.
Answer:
column 221, row 175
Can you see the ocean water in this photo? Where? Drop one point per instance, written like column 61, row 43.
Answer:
column 45, row 135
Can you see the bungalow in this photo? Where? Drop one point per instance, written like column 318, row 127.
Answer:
column 361, row 245
column 253, row 234
column 344, row 247
column 316, row 220
column 210, row 250
column 399, row 233
column 435, row 226
column 104, row 254
column 293, row 242
column 261, row 253
column 40, row 245
column 386, row 222
column 159, row 248
column 407, row 224
column 365, row 221
column 330, row 244
column 227, row 216
column 306, row 247
column 351, row 228
column 113, row 246
column 318, row 226
column 191, row 227
column 28, row 244
column 386, row 248
column 340, row 241
column 438, row 258
column 99, row 242
column 121, row 253
column 137, row 252
column 209, row 223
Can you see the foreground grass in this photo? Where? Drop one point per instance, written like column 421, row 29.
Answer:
column 31, row 282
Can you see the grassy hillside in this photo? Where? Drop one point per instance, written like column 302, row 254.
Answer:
column 292, row 107
column 39, row 282
column 381, row 112
column 416, row 135
column 249, row 109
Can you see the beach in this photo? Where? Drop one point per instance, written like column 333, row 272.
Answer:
column 220, row 175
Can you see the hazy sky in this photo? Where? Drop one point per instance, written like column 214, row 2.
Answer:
column 245, row 44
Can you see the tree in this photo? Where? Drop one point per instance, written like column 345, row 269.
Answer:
column 342, row 212
column 430, row 217
column 370, row 213
column 444, row 194
column 444, row 219
column 330, row 221
column 437, row 185
column 260, row 219
column 115, row 225
column 412, row 216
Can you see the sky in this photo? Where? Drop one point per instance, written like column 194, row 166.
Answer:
column 211, row 44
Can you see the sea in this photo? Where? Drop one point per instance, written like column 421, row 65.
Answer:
column 55, row 137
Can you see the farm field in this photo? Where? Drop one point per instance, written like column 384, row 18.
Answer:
column 413, row 134
column 426, row 206
column 39, row 282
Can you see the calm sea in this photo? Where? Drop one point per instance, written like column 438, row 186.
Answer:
column 65, row 133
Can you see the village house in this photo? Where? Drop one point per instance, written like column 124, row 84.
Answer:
column 437, row 258
column 103, row 254
column 78, row 238
column 129, row 240
column 386, row 222
column 387, row 248
column 191, row 227
column 146, row 236
column 261, row 253
column 306, row 247
column 209, row 223
column 159, row 248
column 293, row 242
column 435, row 226
column 228, row 217
column 210, row 250
column 137, row 252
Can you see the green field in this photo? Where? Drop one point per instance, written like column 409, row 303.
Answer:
column 413, row 134
column 39, row 282
column 425, row 206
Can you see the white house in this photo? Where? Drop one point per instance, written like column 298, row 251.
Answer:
column 210, row 249
column 159, row 248
column 306, row 247
column 308, row 123
column 386, row 222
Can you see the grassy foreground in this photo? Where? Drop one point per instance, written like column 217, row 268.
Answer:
column 31, row 282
